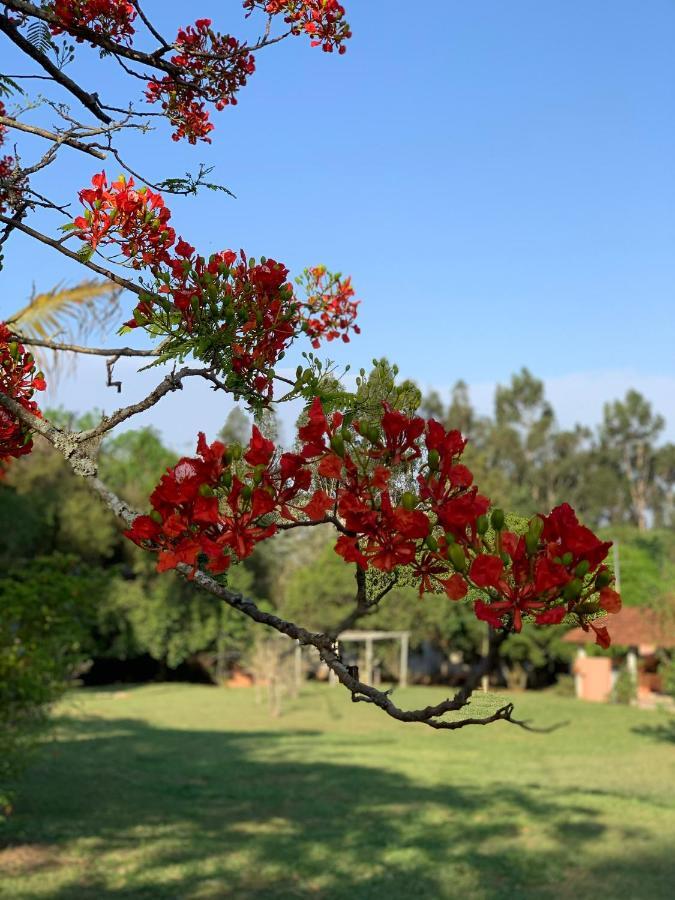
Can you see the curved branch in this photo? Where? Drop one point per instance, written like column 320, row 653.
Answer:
column 91, row 351
column 76, row 448
column 50, row 242
column 90, row 101
column 52, row 136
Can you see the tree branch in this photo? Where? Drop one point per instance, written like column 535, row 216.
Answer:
column 77, row 448
column 90, row 101
column 52, row 136
column 50, row 242
column 76, row 348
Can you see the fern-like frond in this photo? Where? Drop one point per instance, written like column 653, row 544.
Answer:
column 39, row 36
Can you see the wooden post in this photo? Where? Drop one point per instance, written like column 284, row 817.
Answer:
column 403, row 668
column 631, row 664
column 369, row 660
column 578, row 680
column 298, row 666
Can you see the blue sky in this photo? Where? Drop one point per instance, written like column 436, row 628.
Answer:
column 497, row 178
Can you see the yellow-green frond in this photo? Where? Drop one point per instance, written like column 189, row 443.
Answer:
column 64, row 312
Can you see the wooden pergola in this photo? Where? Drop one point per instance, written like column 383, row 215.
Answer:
column 368, row 638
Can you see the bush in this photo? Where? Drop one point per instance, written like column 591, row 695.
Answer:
column 625, row 690
column 668, row 675
column 46, row 614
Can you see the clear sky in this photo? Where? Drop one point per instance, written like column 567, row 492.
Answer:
column 498, row 177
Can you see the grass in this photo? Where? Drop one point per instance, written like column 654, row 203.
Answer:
column 182, row 792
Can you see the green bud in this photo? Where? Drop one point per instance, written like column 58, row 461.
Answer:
column 431, row 542
column 258, row 474
column 205, row 490
column 536, row 526
column 497, row 518
column 587, row 609
column 603, row 579
column 449, row 538
column 567, row 558
column 156, row 516
column 338, row 444
column 227, row 479
column 434, row 460
column 582, row 569
column 573, row 589
column 14, row 349
column 247, row 492
column 409, row 500
column 482, row 524
column 457, row 557
column 531, row 544
column 236, row 451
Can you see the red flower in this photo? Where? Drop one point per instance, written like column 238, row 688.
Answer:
column 610, row 601
column 260, row 449
column 486, row 571
column 113, row 18
column 487, row 613
column 455, row 587
column 552, row 616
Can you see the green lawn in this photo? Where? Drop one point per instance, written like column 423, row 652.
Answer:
column 185, row 792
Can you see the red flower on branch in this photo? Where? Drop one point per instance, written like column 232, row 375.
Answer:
column 329, row 311
column 323, row 20
column 214, row 67
column 18, row 380
column 113, row 18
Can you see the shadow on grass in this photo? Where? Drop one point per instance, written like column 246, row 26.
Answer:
column 665, row 733
column 166, row 814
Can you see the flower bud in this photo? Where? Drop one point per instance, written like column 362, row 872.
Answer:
column 434, row 460
column 482, row 524
column 156, row 516
column 603, row 579
column 531, row 544
column 573, row 589
column 431, row 543
column 227, row 479
column 536, row 526
column 338, row 444
column 258, row 474
column 497, row 518
column 246, row 492
column 409, row 500
column 457, row 557
column 449, row 538
column 567, row 558
column 582, row 569
column 587, row 608
column 205, row 490
column 236, row 451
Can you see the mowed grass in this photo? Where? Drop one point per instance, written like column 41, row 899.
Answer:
column 182, row 792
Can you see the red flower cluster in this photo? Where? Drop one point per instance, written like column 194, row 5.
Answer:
column 323, row 20
column 113, row 18
column 222, row 504
column 214, row 67
column 331, row 312
column 136, row 220
column 18, row 380
column 241, row 315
